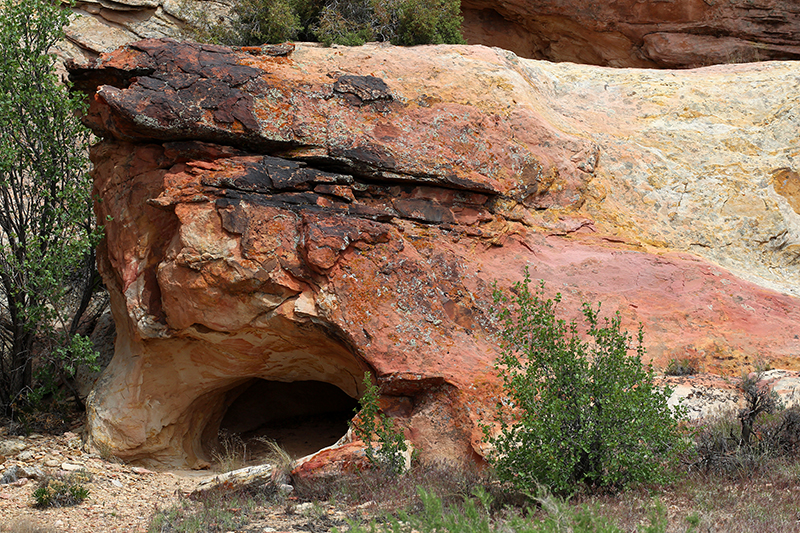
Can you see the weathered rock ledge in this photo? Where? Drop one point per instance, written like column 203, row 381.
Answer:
column 305, row 218
column 632, row 33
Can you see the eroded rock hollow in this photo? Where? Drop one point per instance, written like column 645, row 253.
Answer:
column 300, row 216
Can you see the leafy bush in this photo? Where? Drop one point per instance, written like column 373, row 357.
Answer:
column 578, row 411
column 375, row 427
column 403, row 22
column 346, row 22
column 429, row 22
column 252, row 22
column 47, row 228
column 61, row 491
column 268, row 21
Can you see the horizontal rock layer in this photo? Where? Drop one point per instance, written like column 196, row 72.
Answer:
column 316, row 215
column 632, row 33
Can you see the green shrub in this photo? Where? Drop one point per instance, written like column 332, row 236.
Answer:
column 578, row 411
column 403, row 22
column 61, row 491
column 251, row 22
column 47, row 228
column 345, row 22
column 429, row 22
column 375, row 427
column 269, row 21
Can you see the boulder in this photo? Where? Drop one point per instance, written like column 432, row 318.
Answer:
column 310, row 217
column 104, row 25
column 17, row 472
column 262, row 478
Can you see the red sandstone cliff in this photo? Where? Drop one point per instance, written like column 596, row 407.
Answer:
column 310, row 215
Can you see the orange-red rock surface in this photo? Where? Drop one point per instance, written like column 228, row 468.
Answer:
column 318, row 213
column 635, row 33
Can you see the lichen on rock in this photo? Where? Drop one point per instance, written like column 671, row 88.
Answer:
column 311, row 217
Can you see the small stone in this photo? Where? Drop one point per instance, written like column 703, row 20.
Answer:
column 70, row 467
column 10, row 475
column 30, row 472
column 141, row 470
column 26, row 455
column 12, row 447
column 52, row 463
column 302, row 508
column 116, row 483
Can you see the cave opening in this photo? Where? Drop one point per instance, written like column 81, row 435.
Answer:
column 302, row 417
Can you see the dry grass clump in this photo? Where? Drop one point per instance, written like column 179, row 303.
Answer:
column 231, row 454
column 389, row 492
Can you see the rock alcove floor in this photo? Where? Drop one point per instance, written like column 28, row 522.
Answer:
column 125, row 498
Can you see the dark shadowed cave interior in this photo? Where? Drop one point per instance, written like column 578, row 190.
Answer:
column 301, row 416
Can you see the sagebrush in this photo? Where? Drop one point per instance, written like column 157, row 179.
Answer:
column 742, row 442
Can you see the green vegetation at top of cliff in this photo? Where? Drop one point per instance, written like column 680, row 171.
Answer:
column 345, row 22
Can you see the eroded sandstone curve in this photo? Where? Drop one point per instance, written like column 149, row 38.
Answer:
column 632, row 33
column 314, row 214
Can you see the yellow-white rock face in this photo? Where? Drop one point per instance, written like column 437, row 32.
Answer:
column 704, row 161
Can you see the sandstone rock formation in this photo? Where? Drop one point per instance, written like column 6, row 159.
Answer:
column 628, row 33
column 303, row 217
column 632, row 33
column 104, row 25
